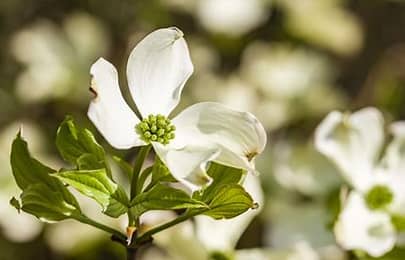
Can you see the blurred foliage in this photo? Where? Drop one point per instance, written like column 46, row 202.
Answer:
column 287, row 61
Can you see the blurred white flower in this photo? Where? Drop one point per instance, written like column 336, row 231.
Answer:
column 85, row 236
column 300, row 251
column 301, row 228
column 183, row 5
column 325, row 23
column 205, row 58
column 17, row 227
column 282, row 71
column 264, row 253
column 290, row 223
column 229, row 17
column 59, row 237
column 180, row 243
column 290, row 82
column 299, row 167
column 277, row 82
column 303, row 251
column 355, row 142
column 238, row 94
column 358, row 227
column 232, row 17
column 55, row 58
column 274, row 113
column 231, row 91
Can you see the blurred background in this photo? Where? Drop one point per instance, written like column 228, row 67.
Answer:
column 289, row 62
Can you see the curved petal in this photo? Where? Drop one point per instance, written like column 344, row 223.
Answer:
column 222, row 235
column 394, row 159
column 352, row 142
column 393, row 166
column 396, row 183
column 188, row 163
column 359, row 228
column 108, row 110
column 239, row 135
column 398, row 129
column 157, row 70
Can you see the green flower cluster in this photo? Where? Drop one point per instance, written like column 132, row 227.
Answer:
column 156, row 129
column 379, row 197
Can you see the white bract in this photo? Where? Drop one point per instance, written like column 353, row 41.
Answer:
column 157, row 70
column 354, row 142
column 324, row 23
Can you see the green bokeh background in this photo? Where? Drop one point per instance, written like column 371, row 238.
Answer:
column 291, row 64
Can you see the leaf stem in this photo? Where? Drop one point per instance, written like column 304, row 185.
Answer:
column 140, row 158
column 142, row 178
column 148, row 234
column 89, row 221
column 131, row 219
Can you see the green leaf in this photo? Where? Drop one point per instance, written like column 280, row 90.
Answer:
column 124, row 166
column 399, row 222
column 334, row 207
column 27, row 170
column 395, row 254
column 79, row 147
column 43, row 196
column 88, row 161
column 97, row 185
column 225, row 197
column 15, row 203
column 160, row 172
column 162, row 197
column 229, row 201
column 220, row 255
column 142, row 178
column 48, row 204
column 221, row 175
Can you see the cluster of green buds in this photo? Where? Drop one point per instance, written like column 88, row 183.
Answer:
column 156, row 129
column 379, row 197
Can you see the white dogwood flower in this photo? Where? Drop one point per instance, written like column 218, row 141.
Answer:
column 354, row 142
column 358, row 227
column 157, row 70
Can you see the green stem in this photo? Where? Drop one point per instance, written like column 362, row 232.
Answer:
column 140, row 158
column 156, row 169
column 131, row 219
column 88, row 221
column 142, row 178
column 148, row 234
column 131, row 253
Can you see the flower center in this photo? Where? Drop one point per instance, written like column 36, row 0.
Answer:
column 156, row 128
column 378, row 230
column 217, row 255
column 379, row 197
